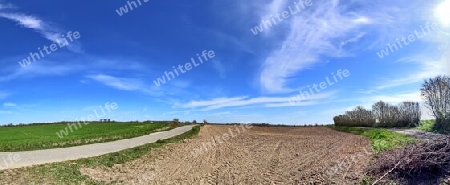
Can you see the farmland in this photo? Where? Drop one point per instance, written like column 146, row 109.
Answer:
column 35, row 137
column 261, row 155
column 242, row 154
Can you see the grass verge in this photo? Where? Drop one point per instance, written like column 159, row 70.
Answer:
column 37, row 137
column 426, row 125
column 69, row 173
column 381, row 139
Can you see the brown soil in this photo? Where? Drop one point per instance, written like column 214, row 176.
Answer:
column 260, row 155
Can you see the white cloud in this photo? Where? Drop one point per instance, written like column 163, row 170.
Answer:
column 315, row 32
column 45, row 29
column 362, row 20
column 127, row 84
column 71, row 65
column 312, row 100
column 219, row 103
column 247, row 102
column 5, row 112
column 349, row 41
column 9, row 104
column 6, row 6
column 91, row 108
column 221, row 113
column 25, row 20
column 398, row 97
column 428, row 68
column 216, row 101
column 393, row 98
column 41, row 69
column 323, row 29
column 174, row 88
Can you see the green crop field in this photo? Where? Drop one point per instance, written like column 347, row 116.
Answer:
column 35, row 137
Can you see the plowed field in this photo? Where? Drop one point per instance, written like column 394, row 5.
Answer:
column 259, row 155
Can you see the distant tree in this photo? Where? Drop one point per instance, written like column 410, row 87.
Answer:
column 381, row 113
column 194, row 122
column 176, row 120
column 205, row 122
column 393, row 116
column 409, row 114
column 341, row 120
column 359, row 116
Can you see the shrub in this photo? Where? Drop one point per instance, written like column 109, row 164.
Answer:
column 442, row 126
column 426, row 125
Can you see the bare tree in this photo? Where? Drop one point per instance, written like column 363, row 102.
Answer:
column 359, row 116
column 436, row 94
column 409, row 113
column 381, row 113
column 394, row 116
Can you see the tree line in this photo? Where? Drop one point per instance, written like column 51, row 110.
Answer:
column 435, row 93
column 383, row 114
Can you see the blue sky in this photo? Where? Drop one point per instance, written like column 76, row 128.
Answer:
column 251, row 78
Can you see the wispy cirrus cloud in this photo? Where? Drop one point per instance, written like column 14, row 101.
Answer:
column 429, row 66
column 71, row 65
column 243, row 101
column 9, row 104
column 5, row 112
column 215, row 101
column 397, row 97
column 47, row 30
column 128, row 84
column 7, row 6
column 40, row 69
column 139, row 84
column 315, row 32
column 325, row 29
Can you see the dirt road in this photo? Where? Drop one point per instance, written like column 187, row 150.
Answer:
column 419, row 134
column 260, row 155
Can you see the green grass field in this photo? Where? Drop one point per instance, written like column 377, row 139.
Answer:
column 381, row 139
column 36, row 137
column 69, row 172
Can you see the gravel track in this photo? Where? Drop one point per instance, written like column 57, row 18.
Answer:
column 30, row 158
column 419, row 134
